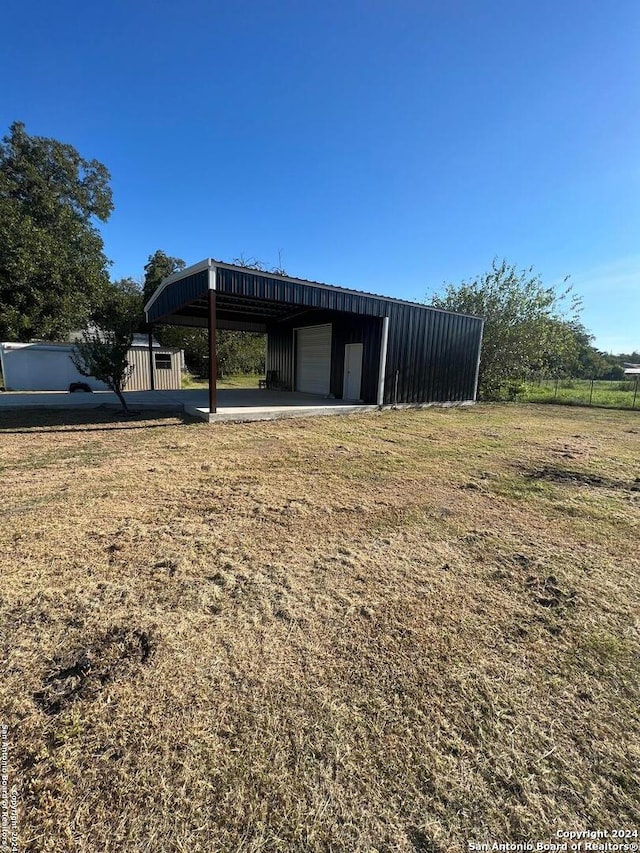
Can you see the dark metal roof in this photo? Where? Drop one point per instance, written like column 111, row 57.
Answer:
column 260, row 297
column 336, row 287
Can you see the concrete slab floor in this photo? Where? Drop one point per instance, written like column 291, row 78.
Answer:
column 253, row 405
column 241, row 404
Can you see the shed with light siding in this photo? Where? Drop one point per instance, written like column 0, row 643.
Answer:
column 41, row 366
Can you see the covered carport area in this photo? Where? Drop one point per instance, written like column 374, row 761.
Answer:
column 316, row 349
column 343, row 347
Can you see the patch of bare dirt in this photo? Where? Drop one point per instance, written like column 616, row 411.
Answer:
column 556, row 474
column 83, row 672
column 547, row 592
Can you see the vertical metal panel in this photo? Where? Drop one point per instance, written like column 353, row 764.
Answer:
column 422, row 357
column 434, row 351
column 407, row 375
column 449, row 391
column 139, row 379
column 280, row 354
column 357, row 330
column 431, row 371
column 433, row 394
column 165, row 380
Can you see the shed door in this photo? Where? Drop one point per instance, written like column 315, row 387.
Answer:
column 313, row 359
column 352, row 372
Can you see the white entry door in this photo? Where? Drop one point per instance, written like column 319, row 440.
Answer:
column 352, row 372
column 313, row 359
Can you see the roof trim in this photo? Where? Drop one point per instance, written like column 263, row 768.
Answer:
column 208, row 263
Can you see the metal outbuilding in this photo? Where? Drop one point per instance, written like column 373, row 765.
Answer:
column 329, row 340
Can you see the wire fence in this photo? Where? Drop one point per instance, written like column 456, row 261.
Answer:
column 610, row 394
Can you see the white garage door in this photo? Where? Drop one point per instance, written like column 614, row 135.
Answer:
column 313, row 359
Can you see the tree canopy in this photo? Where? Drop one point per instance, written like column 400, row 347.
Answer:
column 528, row 327
column 53, row 270
column 158, row 267
column 256, row 264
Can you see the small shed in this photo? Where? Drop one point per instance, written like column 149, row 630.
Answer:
column 42, row 366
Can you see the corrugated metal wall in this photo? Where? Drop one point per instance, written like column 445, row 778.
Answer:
column 433, row 353
column 165, row 379
column 358, row 330
column 279, row 355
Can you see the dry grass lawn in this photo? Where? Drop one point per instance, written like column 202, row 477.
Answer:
column 400, row 631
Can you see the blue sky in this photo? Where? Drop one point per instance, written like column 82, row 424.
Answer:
column 385, row 146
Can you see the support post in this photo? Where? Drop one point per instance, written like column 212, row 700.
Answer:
column 213, row 355
column 476, row 378
column 152, row 375
column 382, row 372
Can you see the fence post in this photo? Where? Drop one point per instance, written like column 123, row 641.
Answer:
column 591, row 393
column 635, row 394
column 555, row 396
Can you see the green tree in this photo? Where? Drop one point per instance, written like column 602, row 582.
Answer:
column 53, row 271
column 527, row 325
column 614, row 364
column 158, row 267
column 103, row 350
column 240, row 352
column 587, row 362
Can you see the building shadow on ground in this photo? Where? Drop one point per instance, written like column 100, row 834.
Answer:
column 103, row 418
